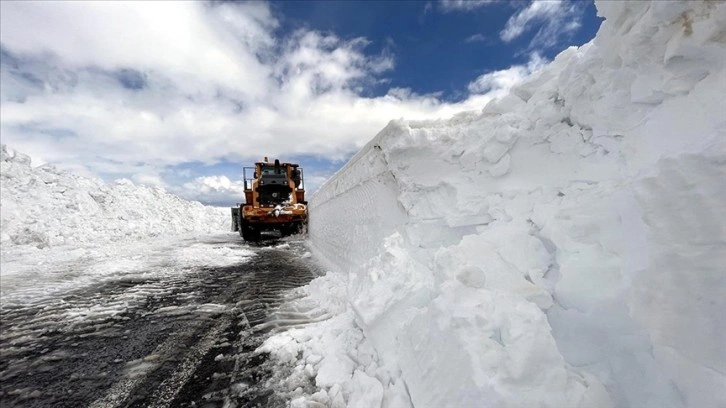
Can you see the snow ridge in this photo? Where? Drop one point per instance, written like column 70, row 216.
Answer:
column 564, row 247
column 46, row 207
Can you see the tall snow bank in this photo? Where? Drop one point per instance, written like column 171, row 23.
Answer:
column 43, row 207
column 565, row 247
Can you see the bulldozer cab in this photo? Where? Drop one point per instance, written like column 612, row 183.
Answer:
column 274, row 184
column 268, row 170
column 274, row 200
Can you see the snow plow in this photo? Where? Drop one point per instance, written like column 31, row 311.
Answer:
column 274, row 200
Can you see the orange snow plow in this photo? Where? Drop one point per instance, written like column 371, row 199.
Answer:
column 274, row 200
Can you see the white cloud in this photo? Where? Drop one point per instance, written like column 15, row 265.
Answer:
column 210, row 82
column 478, row 38
column 185, row 40
column 217, row 189
column 463, row 5
column 498, row 83
column 556, row 17
column 148, row 179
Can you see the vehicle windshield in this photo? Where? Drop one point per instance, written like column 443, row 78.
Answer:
column 267, row 170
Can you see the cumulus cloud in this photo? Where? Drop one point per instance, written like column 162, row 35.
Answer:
column 133, row 88
column 220, row 190
column 214, row 83
column 215, row 190
column 556, row 18
column 149, row 180
column 498, row 83
column 184, row 40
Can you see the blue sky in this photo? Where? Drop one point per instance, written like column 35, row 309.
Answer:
column 435, row 49
column 183, row 94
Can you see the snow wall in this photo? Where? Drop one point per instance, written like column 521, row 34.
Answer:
column 46, row 207
column 565, row 246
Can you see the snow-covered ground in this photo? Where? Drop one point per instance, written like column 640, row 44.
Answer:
column 563, row 247
column 60, row 230
column 45, row 207
column 30, row 275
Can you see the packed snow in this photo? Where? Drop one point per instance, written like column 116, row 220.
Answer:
column 45, row 207
column 59, row 230
column 563, row 247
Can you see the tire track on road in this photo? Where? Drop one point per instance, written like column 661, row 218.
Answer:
column 149, row 342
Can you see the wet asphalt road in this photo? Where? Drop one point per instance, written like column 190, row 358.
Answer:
column 180, row 340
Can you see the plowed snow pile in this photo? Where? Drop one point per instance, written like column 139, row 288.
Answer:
column 564, row 247
column 45, row 207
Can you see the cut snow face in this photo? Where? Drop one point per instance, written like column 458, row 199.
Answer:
column 564, row 247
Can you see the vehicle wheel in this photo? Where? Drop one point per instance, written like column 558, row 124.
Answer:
column 249, row 233
column 297, row 228
column 291, row 230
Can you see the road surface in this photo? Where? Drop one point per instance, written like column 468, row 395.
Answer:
column 181, row 338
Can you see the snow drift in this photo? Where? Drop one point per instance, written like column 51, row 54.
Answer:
column 564, row 247
column 44, row 207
